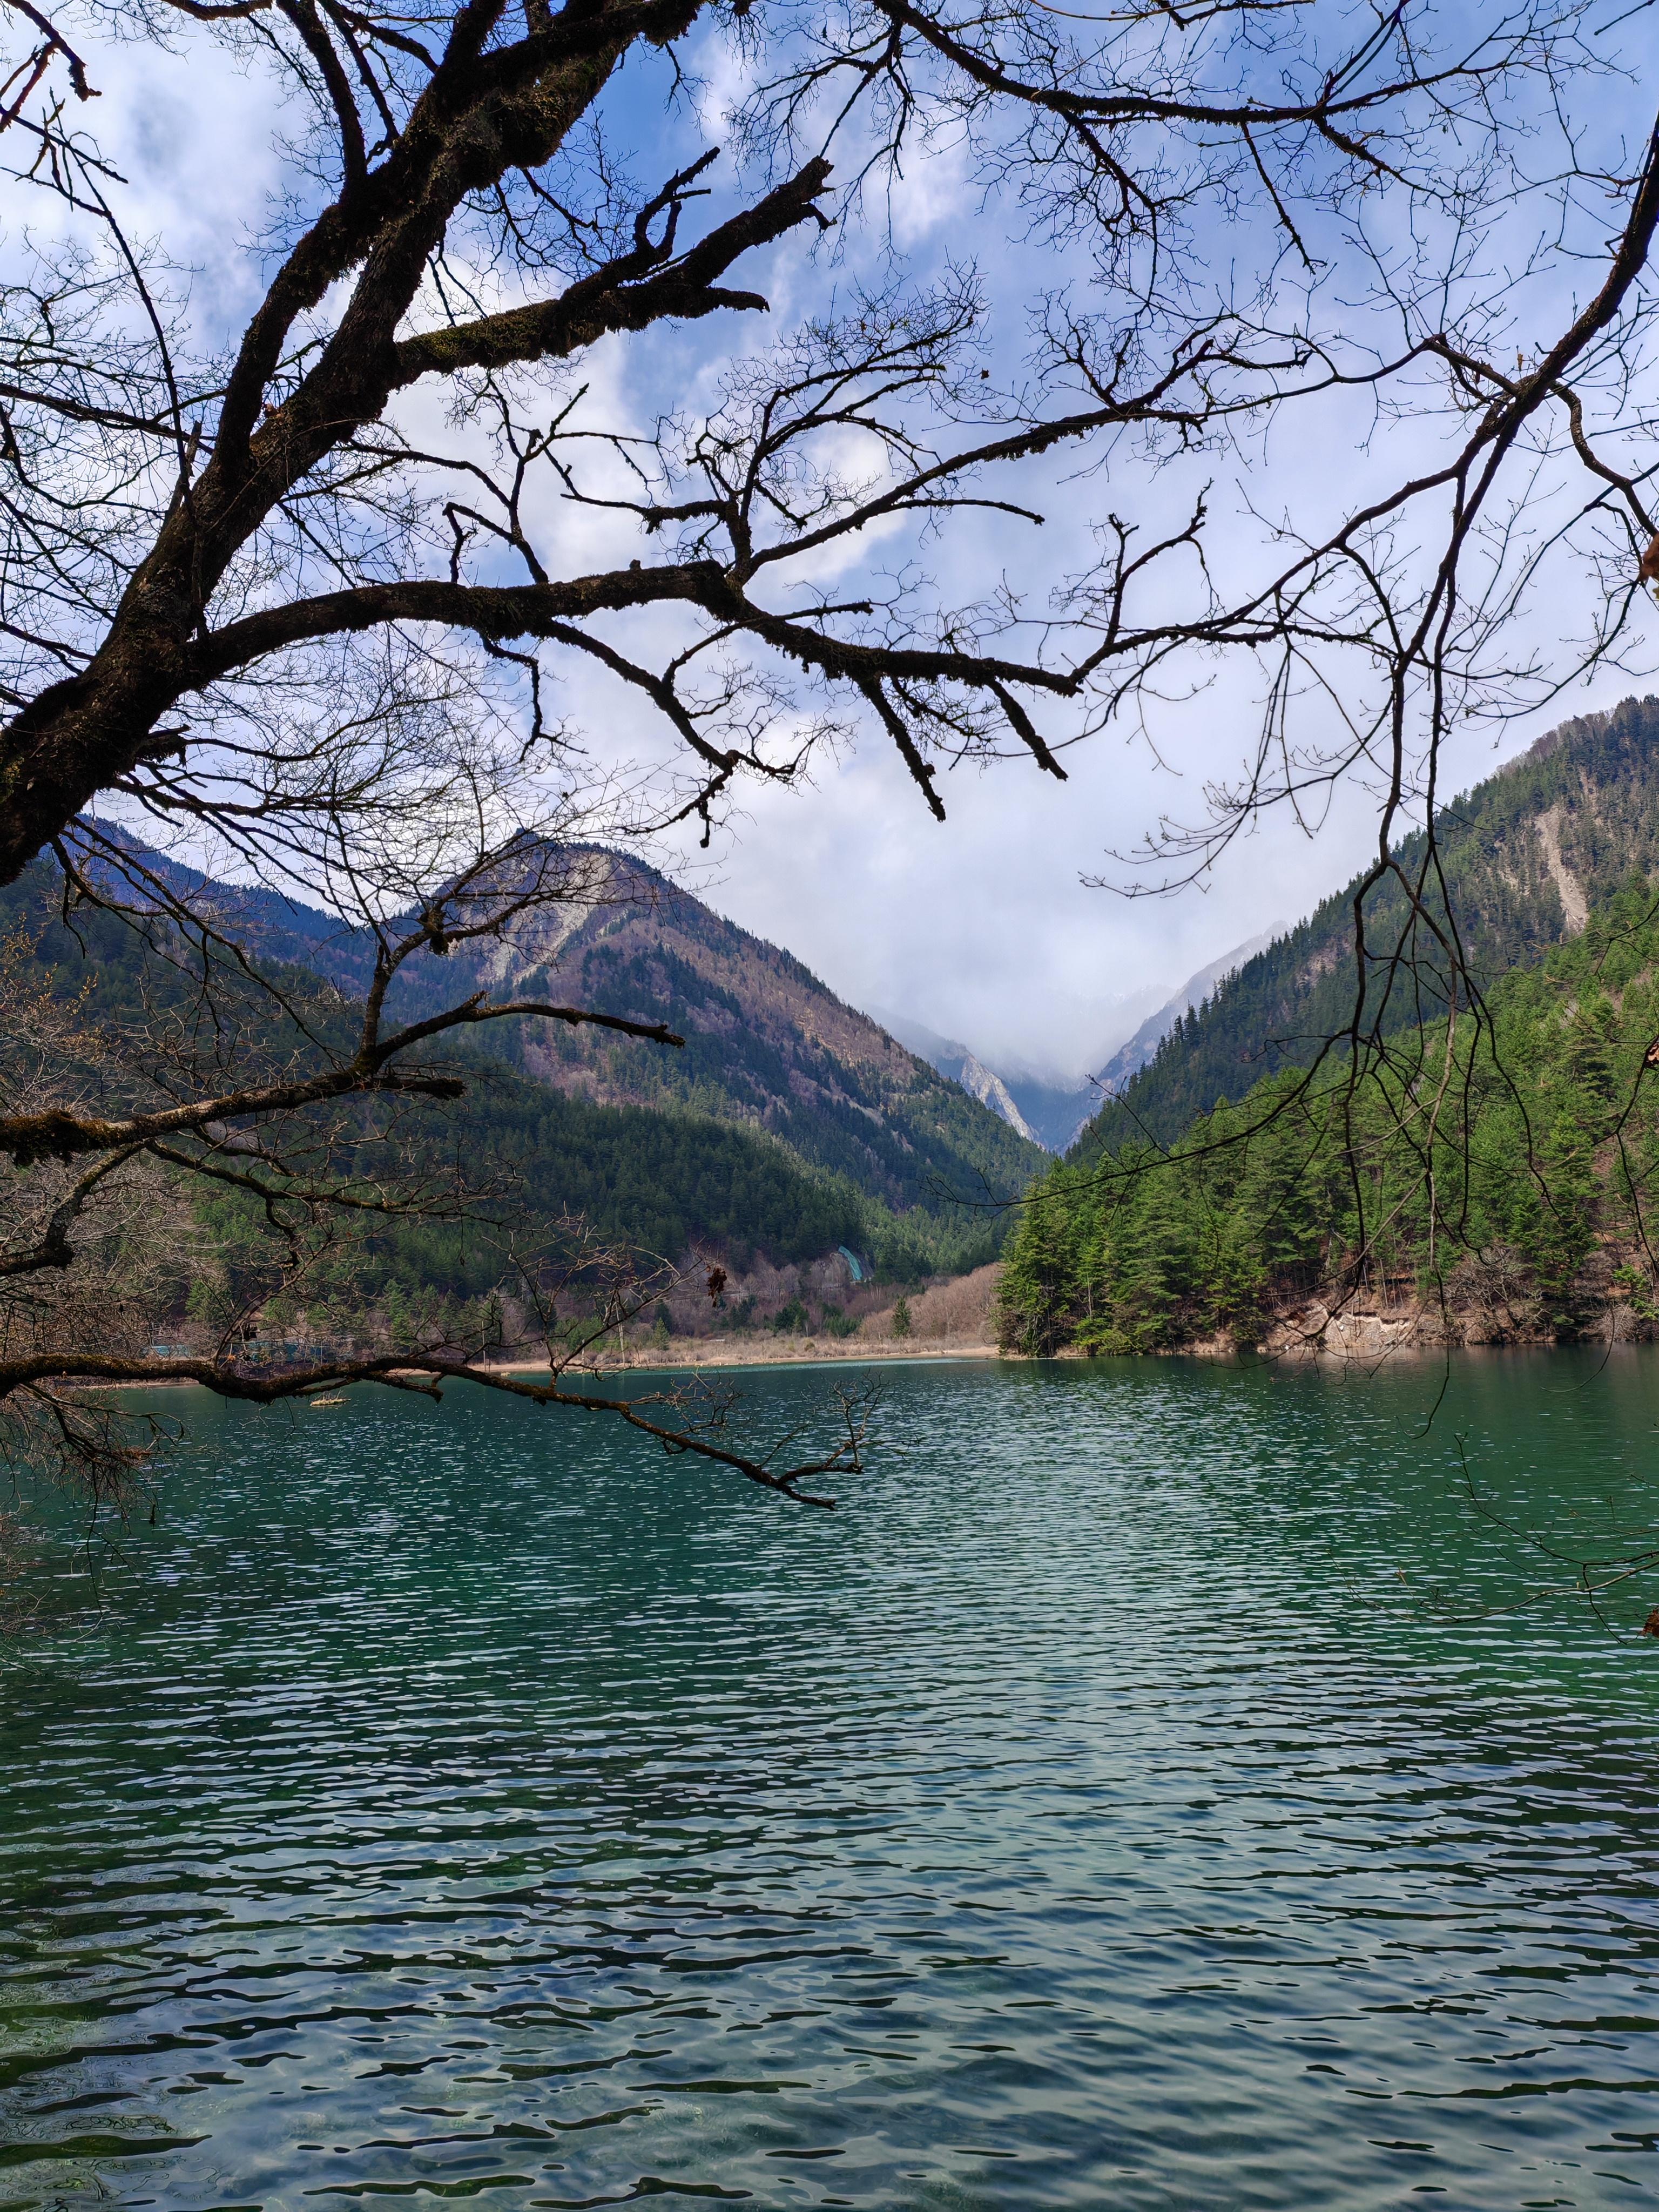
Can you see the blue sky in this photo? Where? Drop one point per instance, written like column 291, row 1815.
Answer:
column 983, row 927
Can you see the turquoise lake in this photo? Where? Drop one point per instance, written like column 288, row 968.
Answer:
column 1145, row 1790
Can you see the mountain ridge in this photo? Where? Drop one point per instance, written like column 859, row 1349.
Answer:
column 768, row 1045
column 960, row 1064
column 1132, row 1055
column 1052, row 1113
column 1526, row 853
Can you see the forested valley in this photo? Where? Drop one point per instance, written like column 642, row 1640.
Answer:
column 719, row 1152
column 1489, row 1177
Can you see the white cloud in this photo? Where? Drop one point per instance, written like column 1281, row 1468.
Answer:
column 980, row 928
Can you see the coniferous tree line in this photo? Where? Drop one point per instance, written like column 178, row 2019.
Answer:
column 1503, row 1174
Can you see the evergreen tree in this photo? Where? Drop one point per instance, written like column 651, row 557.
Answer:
column 1519, row 1147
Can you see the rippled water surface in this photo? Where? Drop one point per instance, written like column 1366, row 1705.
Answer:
column 451, row 1803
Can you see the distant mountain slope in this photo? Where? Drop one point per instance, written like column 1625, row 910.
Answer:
column 667, row 1183
column 988, row 1086
column 769, row 1048
column 1131, row 1057
column 1054, row 1113
column 1525, row 853
column 950, row 1057
column 766, row 1046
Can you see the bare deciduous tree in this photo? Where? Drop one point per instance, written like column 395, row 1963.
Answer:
column 254, row 606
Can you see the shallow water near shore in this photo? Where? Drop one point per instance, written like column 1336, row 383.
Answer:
column 465, row 1801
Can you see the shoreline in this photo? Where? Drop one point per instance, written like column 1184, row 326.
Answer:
column 756, row 1358
column 736, row 1355
column 671, row 1361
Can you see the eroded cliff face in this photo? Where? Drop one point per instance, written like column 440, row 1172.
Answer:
column 984, row 1084
column 1575, row 901
column 1490, row 1302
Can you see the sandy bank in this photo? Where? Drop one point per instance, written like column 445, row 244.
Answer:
column 698, row 1354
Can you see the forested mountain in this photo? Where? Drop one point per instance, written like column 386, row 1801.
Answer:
column 1526, row 853
column 768, row 1045
column 788, row 1124
column 1495, row 1182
